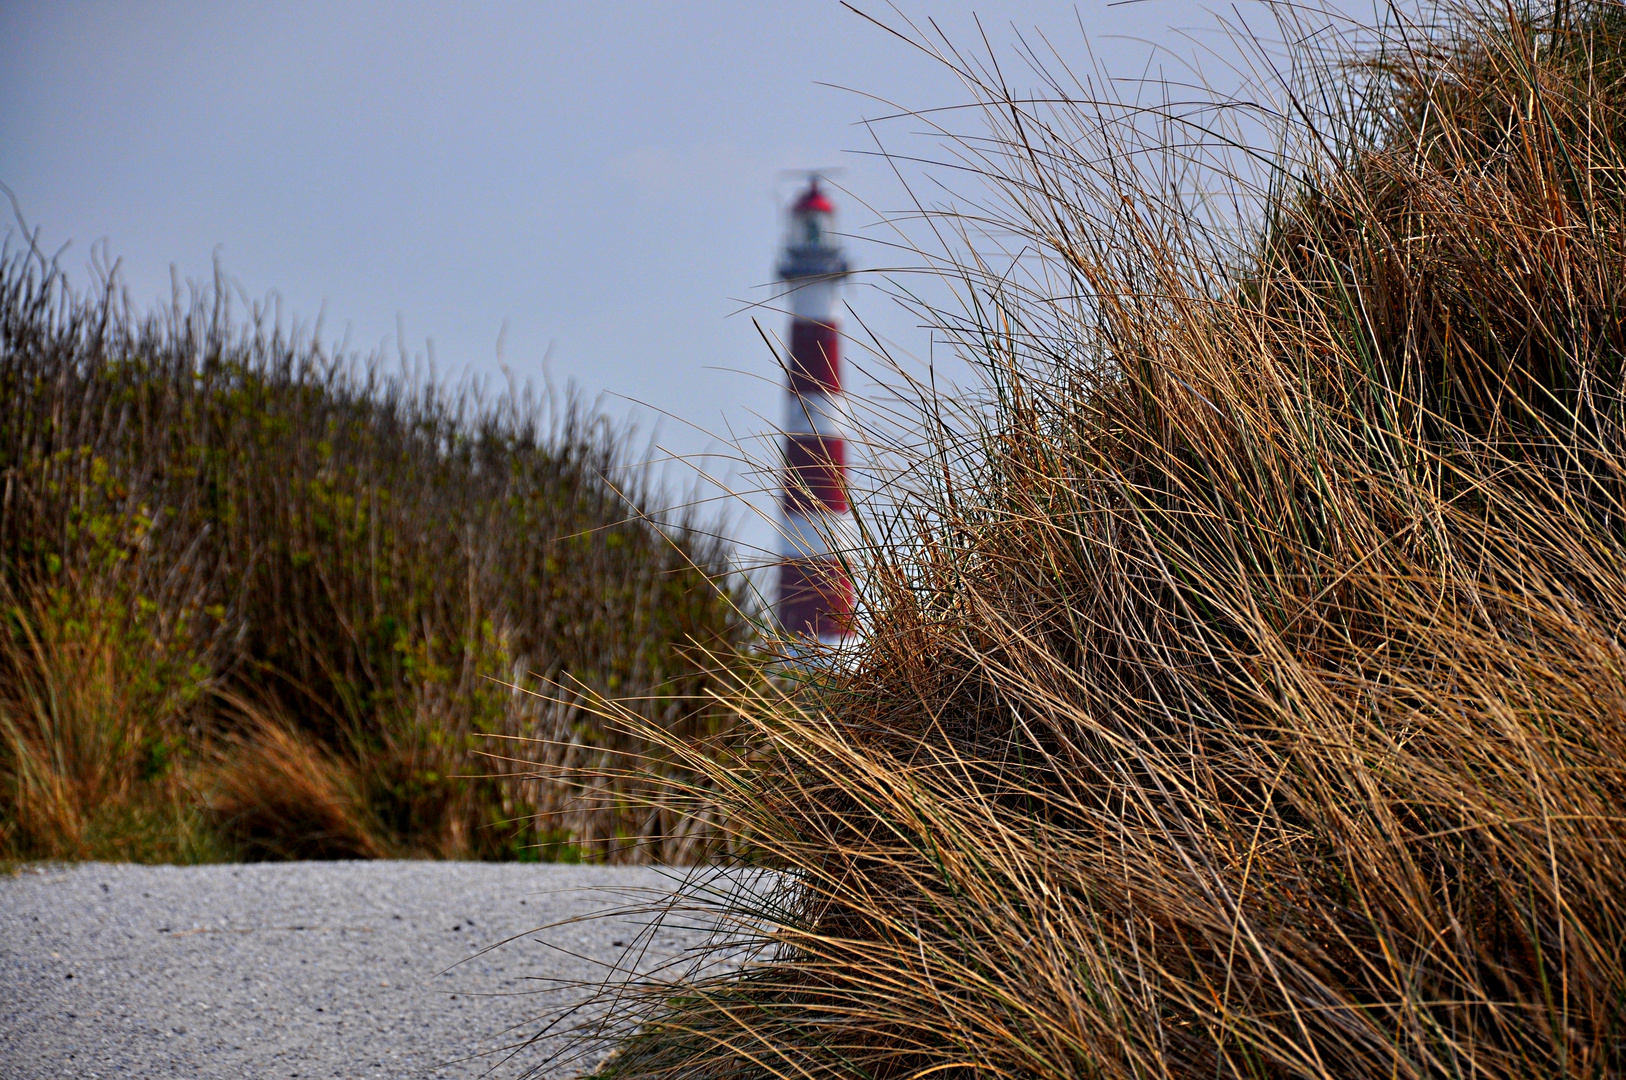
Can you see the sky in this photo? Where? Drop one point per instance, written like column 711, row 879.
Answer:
column 587, row 194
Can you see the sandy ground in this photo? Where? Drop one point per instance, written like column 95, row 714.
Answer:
column 388, row 969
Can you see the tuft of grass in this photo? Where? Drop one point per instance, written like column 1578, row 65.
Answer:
column 1242, row 688
column 284, row 600
column 276, row 793
column 87, row 728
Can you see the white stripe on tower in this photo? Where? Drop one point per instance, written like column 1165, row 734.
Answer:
column 815, row 593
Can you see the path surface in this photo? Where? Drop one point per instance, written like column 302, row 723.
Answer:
column 368, row 969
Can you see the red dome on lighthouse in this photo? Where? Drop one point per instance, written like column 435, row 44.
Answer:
column 811, row 245
column 813, row 201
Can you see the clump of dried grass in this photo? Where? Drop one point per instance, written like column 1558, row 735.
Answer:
column 276, row 793
column 1245, row 696
column 89, row 722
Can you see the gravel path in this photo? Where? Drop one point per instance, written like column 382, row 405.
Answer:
column 303, row 969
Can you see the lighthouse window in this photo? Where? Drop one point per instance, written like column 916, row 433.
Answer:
column 814, row 229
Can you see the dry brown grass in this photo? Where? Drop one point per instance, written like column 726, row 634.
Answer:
column 1243, row 695
column 276, row 793
column 86, row 726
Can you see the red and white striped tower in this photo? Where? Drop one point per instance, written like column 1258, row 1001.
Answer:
column 815, row 593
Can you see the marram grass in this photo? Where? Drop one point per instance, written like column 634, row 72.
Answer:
column 1246, row 695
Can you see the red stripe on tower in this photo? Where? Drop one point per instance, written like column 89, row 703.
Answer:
column 815, row 593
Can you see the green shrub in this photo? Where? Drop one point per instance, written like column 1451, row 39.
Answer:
column 224, row 547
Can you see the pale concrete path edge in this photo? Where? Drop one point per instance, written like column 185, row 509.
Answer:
column 359, row 969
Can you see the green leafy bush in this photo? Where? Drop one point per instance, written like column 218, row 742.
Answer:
column 294, row 594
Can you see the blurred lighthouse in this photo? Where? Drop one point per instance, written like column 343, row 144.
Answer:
column 815, row 592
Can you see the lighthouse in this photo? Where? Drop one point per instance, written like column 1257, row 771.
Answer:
column 815, row 591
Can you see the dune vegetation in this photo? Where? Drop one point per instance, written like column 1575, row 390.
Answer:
column 258, row 600
column 1242, row 691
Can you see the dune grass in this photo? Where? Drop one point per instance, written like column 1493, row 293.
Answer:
column 1242, row 690
column 264, row 601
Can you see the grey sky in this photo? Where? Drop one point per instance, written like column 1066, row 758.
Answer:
column 599, row 177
